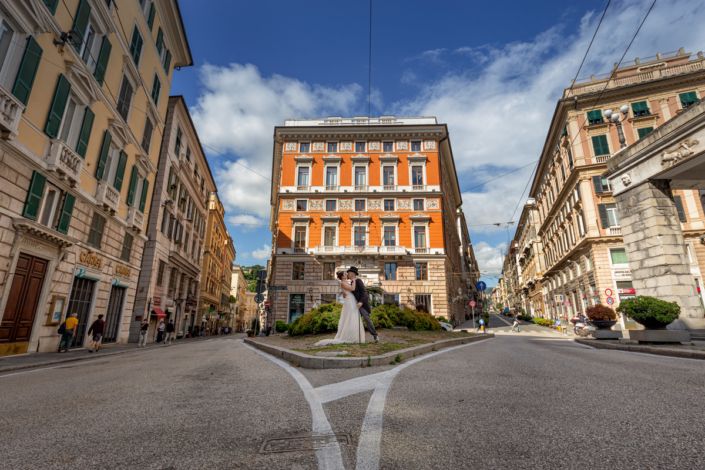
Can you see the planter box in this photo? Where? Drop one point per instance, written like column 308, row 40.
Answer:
column 606, row 334
column 659, row 336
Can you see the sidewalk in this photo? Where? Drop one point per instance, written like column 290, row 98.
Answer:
column 32, row 360
column 695, row 350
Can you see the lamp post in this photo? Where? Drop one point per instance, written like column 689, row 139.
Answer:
column 616, row 119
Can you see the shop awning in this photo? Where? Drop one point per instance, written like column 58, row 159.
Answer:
column 158, row 312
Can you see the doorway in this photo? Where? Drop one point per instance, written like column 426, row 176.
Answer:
column 112, row 318
column 80, row 303
column 21, row 307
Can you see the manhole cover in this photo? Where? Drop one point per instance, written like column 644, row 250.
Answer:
column 303, row 443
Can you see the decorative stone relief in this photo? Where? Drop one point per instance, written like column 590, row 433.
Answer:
column 374, row 146
column 404, row 204
column 374, row 204
column 346, row 146
column 432, row 203
column 288, row 205
column 402, row 145
column 290, row 147
column 316, row 204
column 429, row 145
column 318, row 146
column 345, row 204
column 679, row 152
column 626, row 180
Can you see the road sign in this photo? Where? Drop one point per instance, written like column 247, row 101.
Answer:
column 472, row 304
column 610, row 300
column 608, row 292
column 277, row 288
column 259, row 298
column 481, row 286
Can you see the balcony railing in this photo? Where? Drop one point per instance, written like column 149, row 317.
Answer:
column 615, row 230
column 64, row 161
column 135, row 218
column 303, row 187
column 355, row 249
column 421, row 250
column 332, row 187
column 360, row 187
column 418, row 187
column 602, row 158
column 107, row 196
column 390, row 187
column 10, row 114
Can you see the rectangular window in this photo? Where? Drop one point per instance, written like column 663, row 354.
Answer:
column 601, row 184
column 388, row 146
column 302, row 177
column 679, row 208
column 50, row 212
column 360, row 177
column 95, row 234
column 298, row 269
column 329, row 273
column 156, row 89
column 418, row 204
column 328, row 298
column 389, row 204
column 305, row 147
column 332, row 147
column 136, row 45
column 417, row 175
column 599, row 145
column 331, row 177
column 688, row 99
column 360, row 147
column 360, row 235
column 608, row 215
column 390, row 271
column 618, row 256
column 24, row 80
column 360, row 205
column 331, row 205
column 299, row 239
column 296, row 306
column 125, row 98
column 594, row 117
column 126, row 251
column 640, row 108
column 389, row 237
column 301, row 204
column 147, row 134
column 390, row 299
column 421, row 271
column 160, row 273
column 423, row 302
column 415, row 145
column 329, row 233
column 388, row 177
column 644, row 131
column 177, row 142
column 419, row 236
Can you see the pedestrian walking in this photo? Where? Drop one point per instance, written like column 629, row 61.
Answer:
column 144, row 328
column 67, row 330
column 96, row 333
column 170, row 332
column 481, row 327
column 160, row 331
column 515, row 325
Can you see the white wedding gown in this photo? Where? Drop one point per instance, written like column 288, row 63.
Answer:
column 350, row 329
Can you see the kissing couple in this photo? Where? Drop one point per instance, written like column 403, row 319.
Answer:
column 356, row 306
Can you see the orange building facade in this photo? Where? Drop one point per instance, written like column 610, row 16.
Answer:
column 380, row 194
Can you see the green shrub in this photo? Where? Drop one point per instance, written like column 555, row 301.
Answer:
column 390, row 315
column 651, row 312
column 323, row 319
column 281, row 326
column 524, row 317
column 380, row 319
column 542, row 321
column 600, row 312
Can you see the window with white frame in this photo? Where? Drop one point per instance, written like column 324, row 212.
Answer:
column 360, row 176
column 72, row 121
column 331, row 205
column 331, row 177
column 417, row 175
column 50, row 209
column 10, row 51
column 300, row 235
column 330, row 235
column 415, row 145
column 360, row 205
column 360, row 235
column 420, row 237
column 360, row 147
column 332, row 147
column 304, row 147
column 618, row 257
column 301, row 205
column 388, row 179
column 389, row 235
column 612, row 215
column 124, row 102
column 418, row 204
column 388, row 146
column 389, row 205
column 302, row 175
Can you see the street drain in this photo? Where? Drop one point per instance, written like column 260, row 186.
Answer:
column 303, row 443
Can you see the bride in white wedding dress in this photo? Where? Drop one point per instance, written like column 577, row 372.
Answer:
column 350, row 329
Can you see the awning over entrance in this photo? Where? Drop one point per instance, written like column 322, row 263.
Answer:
column 158, row 312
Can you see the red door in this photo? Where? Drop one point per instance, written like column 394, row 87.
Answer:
column 21, row 307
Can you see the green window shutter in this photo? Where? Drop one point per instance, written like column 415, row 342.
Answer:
column 167, row 61
column 599, row 144
column 80, row 23
column 160, row 41
column 644, row 131
column 85, row 134
column 51, row 5
column 156, row 89
column 640, row 108
column 103, row 156
column 594, row 116
column 58, row 105
column 679, row 208
column 27, row 71
column 604, row 220
column 120, row 173
column 150, row 16
column 134, row 176
column 102, row 64
column 143, row 198
column 597, row 183
column 66, row 213
column 136, row 46
column 688, row 98
column 34, row 196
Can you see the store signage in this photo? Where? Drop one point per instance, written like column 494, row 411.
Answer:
column 90, row 259
column 156, row 301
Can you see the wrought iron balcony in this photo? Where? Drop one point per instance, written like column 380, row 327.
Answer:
column 64, row 161
column 10, row 114
column 107, row 196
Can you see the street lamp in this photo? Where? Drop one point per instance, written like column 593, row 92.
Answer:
column 616, row 119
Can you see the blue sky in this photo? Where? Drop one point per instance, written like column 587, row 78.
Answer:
column 492, row 70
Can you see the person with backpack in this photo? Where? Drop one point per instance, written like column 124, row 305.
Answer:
column 67, row 330
column 96, row 330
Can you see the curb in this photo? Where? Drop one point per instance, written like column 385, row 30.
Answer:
column 684, row 353
column 307, row 361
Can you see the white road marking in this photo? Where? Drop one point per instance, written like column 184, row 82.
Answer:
column 370, row 442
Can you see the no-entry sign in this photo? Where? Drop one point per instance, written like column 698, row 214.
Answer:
column 472, row 304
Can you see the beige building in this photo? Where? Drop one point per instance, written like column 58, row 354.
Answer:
column 529, row 265
column 238, row 293
column 381, row 194
column 578, row 223
column 176, row 228
column 83, row 94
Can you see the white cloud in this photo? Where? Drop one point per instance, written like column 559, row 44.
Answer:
column 246, row 221
column 490, row 258
column 262, row 253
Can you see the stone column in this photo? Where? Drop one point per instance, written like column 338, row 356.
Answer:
column 654, row 243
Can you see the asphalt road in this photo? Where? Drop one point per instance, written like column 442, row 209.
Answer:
column 515, row 401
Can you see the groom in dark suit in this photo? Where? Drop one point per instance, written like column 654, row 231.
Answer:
column 363, row 301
